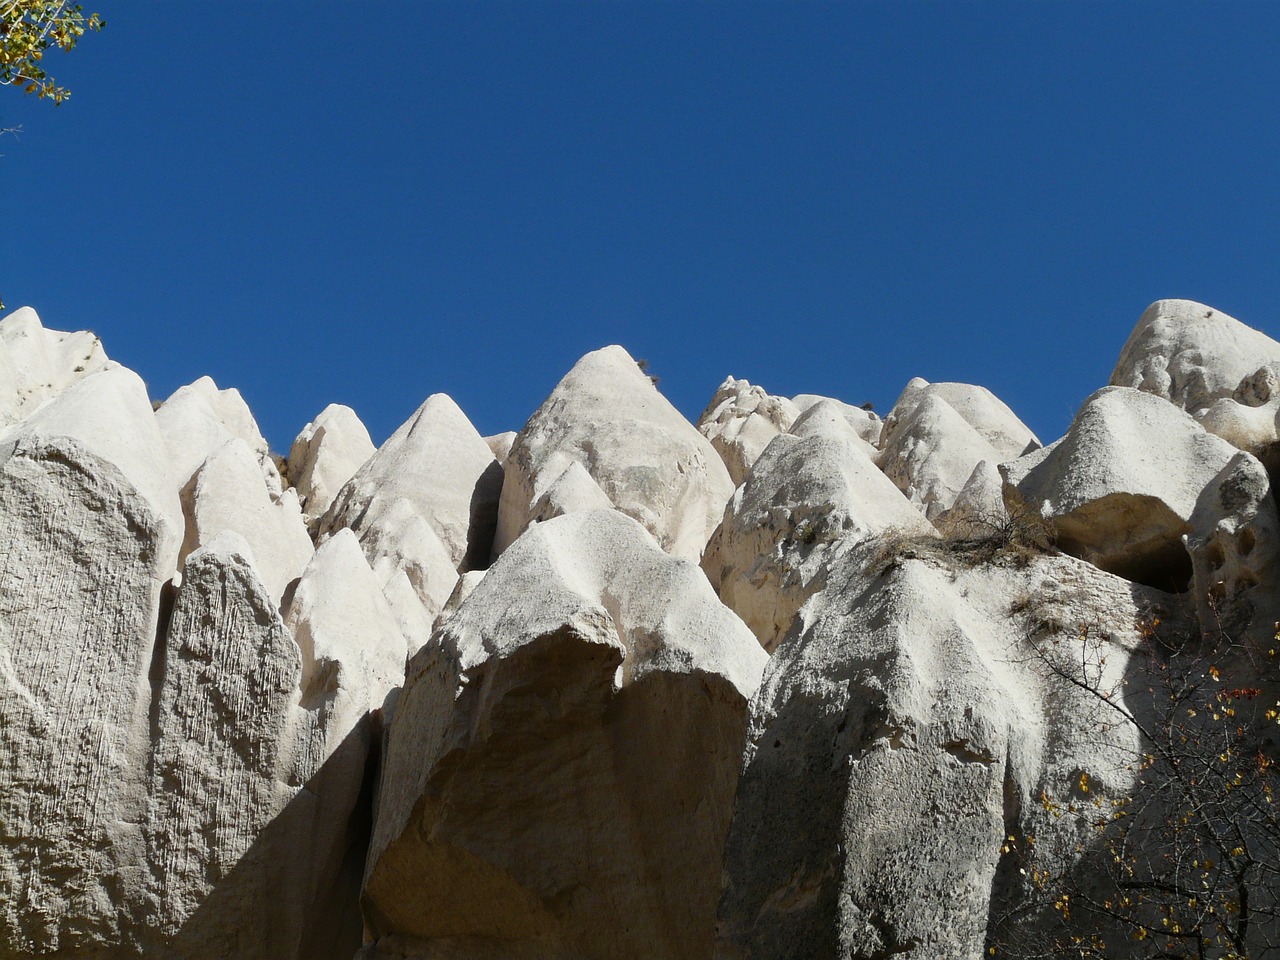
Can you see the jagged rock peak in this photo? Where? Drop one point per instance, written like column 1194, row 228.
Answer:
column 651, row 463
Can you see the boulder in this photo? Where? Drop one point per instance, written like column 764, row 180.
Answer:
column 36, row 364
column 1234, row 543
column 979, row 505
column 931, row 452
column 1120, row 487
column 198, row 419
column 650, row 462
column 901, row 740
column 740, row 421
column 1191, row 354
column 864, row 420
column 561, row 763
column 807, row 500
column 439, row 466
column 325, row 455
column 228, row 493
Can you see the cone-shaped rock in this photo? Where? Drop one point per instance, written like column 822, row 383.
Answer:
column 325, row 455
column 650, row 462
column 229, row 493
column 561, row 763
column 439, row 465
column 977, row 406
column 198, row 419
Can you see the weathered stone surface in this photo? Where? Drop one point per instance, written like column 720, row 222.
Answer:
column 198, row 419
column 1191, row 354
column 440, row 466
column 1234, row 544
column 36, row 364
column 1120, row 487
column 807, row 500
column 864, row 421
column 325, row 455
column 561, row 762
column 229, row 493
column 977, row 406
column 573, row 491
column 500, row 445
column 83, row 555
column 412, row 616
column 650, row 462
column 400, row 540
column 980, row 503
column 255, row 829
column 740, row 421
column 905, row 727
column 931, row 452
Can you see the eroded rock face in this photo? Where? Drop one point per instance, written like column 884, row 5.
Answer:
column 905, row 727
column 440, row 467
column 864, row 420
column 36, row 364
column 228, row 493
column 977, row 406
column 199, row 419
column 1120, row 487
column 1191, row 354
column 1234, row 545
column 931, row 452
column 807, row 500
column 561, row 763
column 740, row 421
column 84, row 557
column 259, row 753
column 325, row 455
column 650, row 462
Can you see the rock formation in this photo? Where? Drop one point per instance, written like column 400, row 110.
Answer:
column 560, row 770
column 568, row 694
column 607, row 416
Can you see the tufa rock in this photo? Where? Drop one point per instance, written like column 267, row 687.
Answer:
column 325, row 455
column 1120, row 487
column 807, row 500
column 740, row 421
column 561, row 763
column 650, row 462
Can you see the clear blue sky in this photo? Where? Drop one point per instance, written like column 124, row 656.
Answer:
column 371, row 202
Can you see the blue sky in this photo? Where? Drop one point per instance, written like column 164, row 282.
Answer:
column 371, row 202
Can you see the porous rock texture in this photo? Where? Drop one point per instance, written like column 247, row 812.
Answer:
column 1191, row 354
column 905, row 727
column 740, row 421
column 560, row 769
column 284, row 709
column 1120, row 487
column 607, row 416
